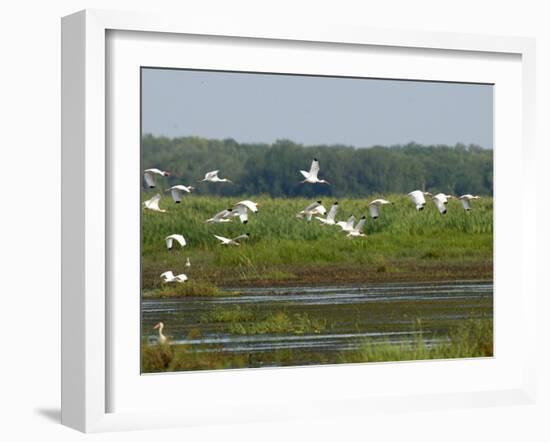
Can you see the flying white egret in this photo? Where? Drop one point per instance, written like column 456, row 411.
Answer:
column 160, row 327
column 221, row 217
column 153, row 204
column 440, row 200
column 175, row 237
column 170, row 277
column 188, row 262
column 330, row 219
column 248, row 204
column 241, row 212
column 177, row 191
column 311, row 176
column 443, row 197
column 213, row 177
column 347, row 226
column 417, row 197
column 465, row 200
column 358, row 229
column 315, row 208
column 149, row 176
column 232, row 241
column 374, row 207
column 241, row 209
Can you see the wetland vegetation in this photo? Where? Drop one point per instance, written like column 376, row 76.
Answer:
column 296, row 292
column 401, row 245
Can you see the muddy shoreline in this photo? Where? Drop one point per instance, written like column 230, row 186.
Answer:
column 338, row 275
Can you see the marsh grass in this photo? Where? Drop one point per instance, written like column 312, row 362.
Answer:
column 224, row 315
column 401, row 238
column 251, row 321
column 280, row 322
column 472, row 338
column 155, row 358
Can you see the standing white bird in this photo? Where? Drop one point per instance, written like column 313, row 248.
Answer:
column 417, row 197
column 311, row 176
column 149, row 176
column 232, row 241
column 330, row 219
column 175, row 237
column 347, row 226
column 177, row 191
column 221, row 217
column 188, row 262
column 374, row 207
column 315, row 208
column 153, row 204
column 170, row 277
column 241, row 209
column 358, row 229
column 440, row 202
column 465, row 200
column 160, row 327
column 213, row 177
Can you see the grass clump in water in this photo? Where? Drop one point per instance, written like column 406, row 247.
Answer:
column 280, row 322
column 249, row 321
column 224, row 315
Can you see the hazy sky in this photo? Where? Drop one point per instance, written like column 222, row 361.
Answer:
column 314, row 110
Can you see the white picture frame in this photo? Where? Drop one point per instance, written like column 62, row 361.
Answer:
column 86, row 217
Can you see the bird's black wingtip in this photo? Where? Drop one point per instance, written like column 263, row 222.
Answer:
column 245, row 221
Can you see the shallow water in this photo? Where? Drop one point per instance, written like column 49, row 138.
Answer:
column 378, row 312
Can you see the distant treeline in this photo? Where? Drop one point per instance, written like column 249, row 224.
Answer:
column 274, row 168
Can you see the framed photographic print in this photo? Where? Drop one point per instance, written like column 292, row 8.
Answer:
column 267, row 223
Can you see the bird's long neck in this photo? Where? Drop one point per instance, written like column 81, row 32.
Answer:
column 161, row 335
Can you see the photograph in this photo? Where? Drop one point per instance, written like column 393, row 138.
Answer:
column 290, row 219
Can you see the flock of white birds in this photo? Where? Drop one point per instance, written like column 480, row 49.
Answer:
column 315, row 210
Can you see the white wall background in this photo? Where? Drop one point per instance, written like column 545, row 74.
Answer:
column 30, row 214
